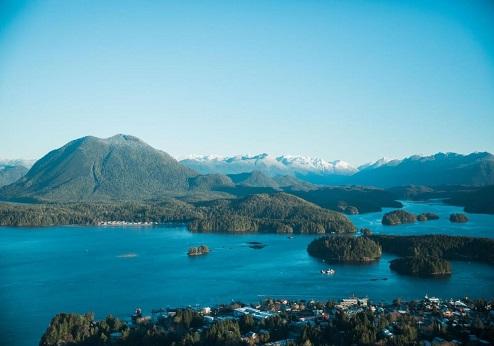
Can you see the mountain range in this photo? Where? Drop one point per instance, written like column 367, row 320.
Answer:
column 442, row 168
column 268, row 164
column 125, row 167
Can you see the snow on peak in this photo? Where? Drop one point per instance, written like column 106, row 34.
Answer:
column 372, row 165
column 268, row 164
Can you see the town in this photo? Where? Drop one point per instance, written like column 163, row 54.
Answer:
column 428, row 321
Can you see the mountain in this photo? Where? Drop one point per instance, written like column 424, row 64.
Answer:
column 305, row 168
column 253, row 179
column 91, row 168
column 9, row 174
column 12, row 170
column 210, row 182
column 439, row 169
column 381, row 162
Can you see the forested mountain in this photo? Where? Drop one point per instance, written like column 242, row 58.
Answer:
column 279, row 212
column 90, row 168
column 253, row 179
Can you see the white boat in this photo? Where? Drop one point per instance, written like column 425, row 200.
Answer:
column 329, row 271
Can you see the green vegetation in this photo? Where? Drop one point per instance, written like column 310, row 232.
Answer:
column 94, row 213
column 421, row 266
column 75, row 329
column 479, row 200
column 210, row 182
column 350, row 199
column 279, row 212
column 198, row 251
column 90, row 168
column 441, row 246
column 253, row 179
column 474, row 199
column 188, row 327
column 458, row 218
column 427, row 217
column 345, row 249
column 398, row 217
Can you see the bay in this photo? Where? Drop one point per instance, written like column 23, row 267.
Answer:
column 105, row 270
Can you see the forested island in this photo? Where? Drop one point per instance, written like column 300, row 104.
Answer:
column 345, row 249
column 278, row 212
column 421, row 266
column 427, row 217
column 458, row 218
column 398, row 217
column 440, row 246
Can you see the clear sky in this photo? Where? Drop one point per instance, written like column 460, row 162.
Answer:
column 350, row 80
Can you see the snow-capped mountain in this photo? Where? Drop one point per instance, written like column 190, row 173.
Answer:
column 268, row 164
column 16, row 162
column 376, row 164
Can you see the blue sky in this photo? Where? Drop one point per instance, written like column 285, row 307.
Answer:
column 351, row 80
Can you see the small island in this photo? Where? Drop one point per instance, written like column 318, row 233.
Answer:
column 345, row 250
column 347, row 209
column 427, row 217
column 198, row 251
column 458, row 218
column 398, row 217
column 421, row 266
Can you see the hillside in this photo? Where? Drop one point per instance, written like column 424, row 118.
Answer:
column 253, row 179
column 90, row 168
column 438, row 169
column 280, row 212
column 345, row 199
column 9, row 174
column 207, row 182
column 480, row 200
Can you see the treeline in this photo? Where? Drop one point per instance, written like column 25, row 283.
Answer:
column 421, row 266
column 350, row 199
column 187, row 328
column 398, row 217
column 475, row 199
column 279, row 212
column 345, row 249
column 442, row 246
column 93, row 213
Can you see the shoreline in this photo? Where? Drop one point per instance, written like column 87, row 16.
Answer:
column 287, row 322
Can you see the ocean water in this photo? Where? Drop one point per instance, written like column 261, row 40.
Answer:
column 106, row 270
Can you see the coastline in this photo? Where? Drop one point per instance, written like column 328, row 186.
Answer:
column 292, row 322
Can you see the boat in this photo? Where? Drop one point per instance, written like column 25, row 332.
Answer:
column 328, row 271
